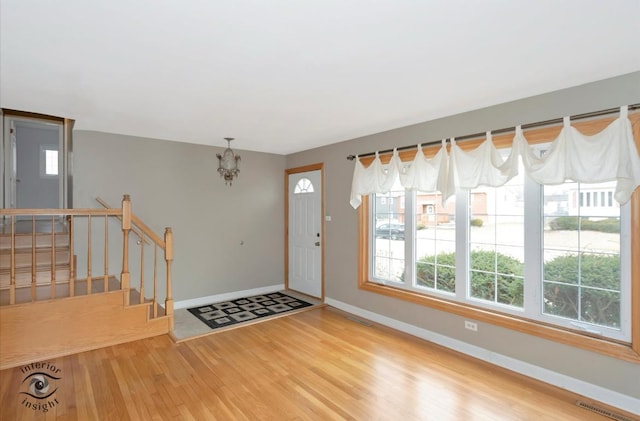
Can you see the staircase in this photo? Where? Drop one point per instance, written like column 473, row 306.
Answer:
column 35, row 247
column 46, row 311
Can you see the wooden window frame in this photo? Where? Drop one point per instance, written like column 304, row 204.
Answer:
column 617, row 349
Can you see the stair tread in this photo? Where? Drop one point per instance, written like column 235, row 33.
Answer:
column 39, row 268
column 30, row 234
column 28, row 249
column 26, row 243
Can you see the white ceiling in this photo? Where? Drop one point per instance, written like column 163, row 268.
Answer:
column 283, row 76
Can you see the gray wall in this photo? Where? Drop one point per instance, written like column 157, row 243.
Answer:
column 341, row 233
column 176, row 184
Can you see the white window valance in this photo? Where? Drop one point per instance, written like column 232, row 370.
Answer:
column 426, row 174
column 606, row 156
column 376, row 178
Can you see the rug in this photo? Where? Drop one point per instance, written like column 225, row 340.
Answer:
column 231, row 312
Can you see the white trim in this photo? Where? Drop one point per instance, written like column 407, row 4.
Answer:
column 588, row 390
column 196, row 302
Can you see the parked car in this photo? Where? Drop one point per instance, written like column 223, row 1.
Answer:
column 391, row 231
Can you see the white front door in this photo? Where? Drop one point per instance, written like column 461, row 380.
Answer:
column 305, row 232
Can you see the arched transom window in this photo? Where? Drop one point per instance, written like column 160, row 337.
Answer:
column 304, row 185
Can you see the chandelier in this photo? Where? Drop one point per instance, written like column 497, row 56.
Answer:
column 228, row 163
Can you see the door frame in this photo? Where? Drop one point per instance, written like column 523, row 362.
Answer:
column 287, row 173
column 66, row 147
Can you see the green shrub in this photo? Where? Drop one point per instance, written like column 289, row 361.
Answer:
column 596, row 297
column 603, row 225
column 426, row 268
column 421, row 226
column 572, row 223
column 476, row 222
column 490, row 269
column 509, row 278
column 564, row 223
column 592, row 298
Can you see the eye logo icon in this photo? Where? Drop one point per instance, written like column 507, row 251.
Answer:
column 39, row 385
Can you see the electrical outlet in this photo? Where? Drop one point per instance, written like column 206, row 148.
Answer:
column 471, row 325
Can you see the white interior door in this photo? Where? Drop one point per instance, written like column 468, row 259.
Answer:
column 34, row 175
column 305, row 232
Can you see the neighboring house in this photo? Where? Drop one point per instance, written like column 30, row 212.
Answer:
column 429, row 207
column 431, row 211
column 593, row 200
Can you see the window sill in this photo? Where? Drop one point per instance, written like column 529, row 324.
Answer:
column 581, row 340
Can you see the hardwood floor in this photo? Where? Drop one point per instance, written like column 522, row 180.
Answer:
column 314, row 365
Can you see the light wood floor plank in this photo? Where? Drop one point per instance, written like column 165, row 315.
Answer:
column 314, row 365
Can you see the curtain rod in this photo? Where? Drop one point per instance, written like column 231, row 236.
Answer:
column 505, row 130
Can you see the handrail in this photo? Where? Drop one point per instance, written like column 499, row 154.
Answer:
column 147, row 231
column 62, row 212
column 103, row 202
column 62, row 255
column 135, row 231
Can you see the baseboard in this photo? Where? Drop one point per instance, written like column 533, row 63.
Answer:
column 588, row 390
column 196, row 302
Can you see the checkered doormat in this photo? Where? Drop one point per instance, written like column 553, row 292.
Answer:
column 228, row 313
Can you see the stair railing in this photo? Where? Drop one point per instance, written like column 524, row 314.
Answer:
column 106, row 205
column 64, row 224
column 146, row 236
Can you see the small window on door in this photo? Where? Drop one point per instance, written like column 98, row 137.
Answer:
column 304, row 185
column 48, row 161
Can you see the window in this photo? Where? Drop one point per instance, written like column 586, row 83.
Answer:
column 564, row 305
column 304, row 185
column 496, row 244
column 435, row 244
column 584, row 271
column 478, row 246
column 388, row 245
column 48, row 161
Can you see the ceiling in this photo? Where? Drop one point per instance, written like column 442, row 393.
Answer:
column 283, row 76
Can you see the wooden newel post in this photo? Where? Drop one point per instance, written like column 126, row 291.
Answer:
column 168, row 257
column 126, row 227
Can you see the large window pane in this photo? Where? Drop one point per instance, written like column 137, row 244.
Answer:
column 435, row 241
column 389, row 250
column 496, row 243
column 581, row 244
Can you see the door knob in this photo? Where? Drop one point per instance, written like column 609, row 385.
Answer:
column 318, row 243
